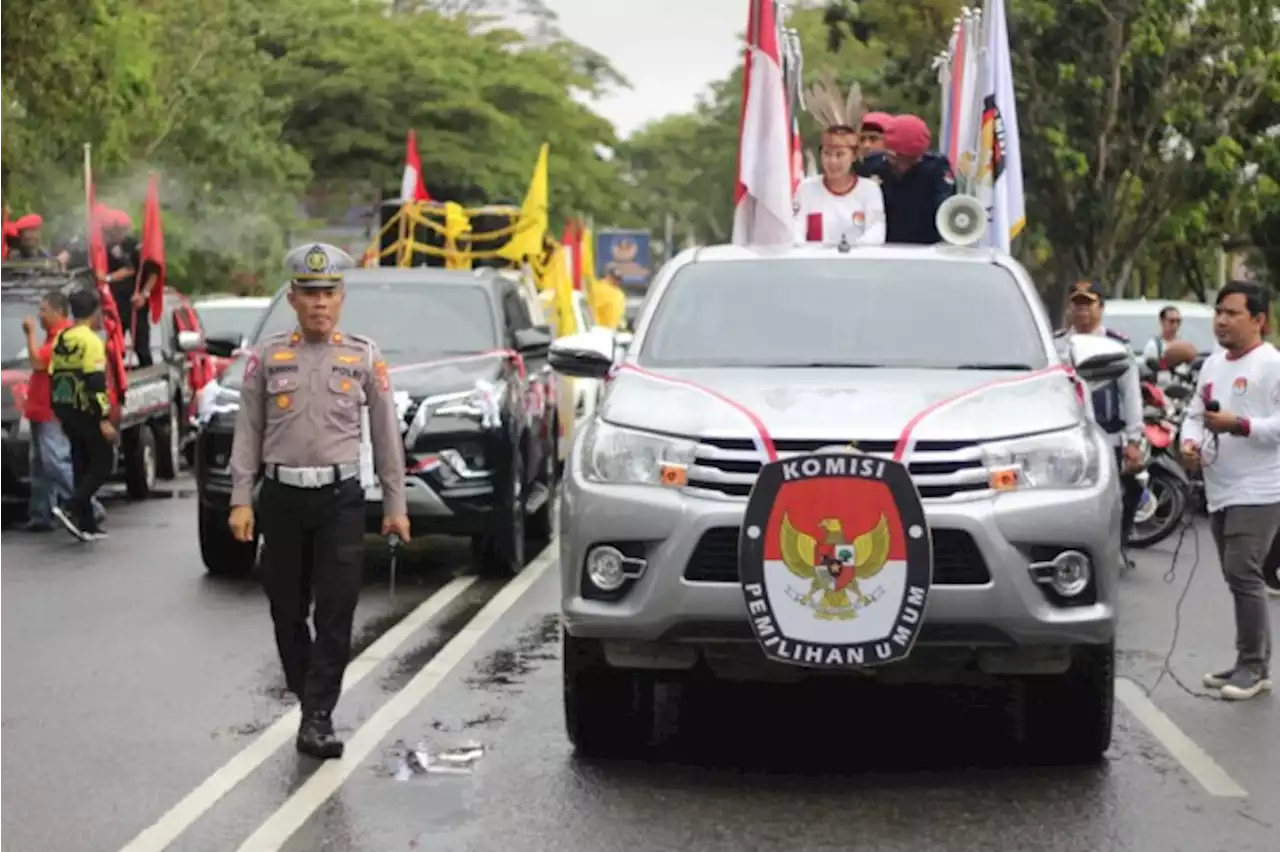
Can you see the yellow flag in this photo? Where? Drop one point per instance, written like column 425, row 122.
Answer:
column 527, row 241
column 562, row 278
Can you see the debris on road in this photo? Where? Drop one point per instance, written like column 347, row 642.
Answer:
column 422, row 760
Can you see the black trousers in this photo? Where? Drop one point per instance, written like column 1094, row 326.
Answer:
column 92, row 457
column 313, row 551
column 142, row 335
column 1132, row 494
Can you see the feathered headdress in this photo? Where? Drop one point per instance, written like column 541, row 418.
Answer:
column 829, row 107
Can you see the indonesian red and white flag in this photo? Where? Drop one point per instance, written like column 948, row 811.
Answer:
column 412, row 187
column 762, row 201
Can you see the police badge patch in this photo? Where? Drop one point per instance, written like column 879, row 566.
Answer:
column 835, row 560
column 317, row 260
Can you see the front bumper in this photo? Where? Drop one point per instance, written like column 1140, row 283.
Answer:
column 984, row 592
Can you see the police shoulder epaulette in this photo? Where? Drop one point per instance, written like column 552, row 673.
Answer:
column 1115, row 335
column 360, row 339
column 274, row 338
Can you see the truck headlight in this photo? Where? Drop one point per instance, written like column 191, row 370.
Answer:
column 1066, row 459
column 629, row 457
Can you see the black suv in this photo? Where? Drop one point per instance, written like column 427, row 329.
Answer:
column 476, row 399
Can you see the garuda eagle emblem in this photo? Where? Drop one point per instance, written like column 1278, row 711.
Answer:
column 834, row 565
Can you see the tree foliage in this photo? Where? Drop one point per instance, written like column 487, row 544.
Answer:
column 1148, row 129
column 247, row 106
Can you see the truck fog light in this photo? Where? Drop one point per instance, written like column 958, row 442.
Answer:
column 605, row 568
column 1071, row 573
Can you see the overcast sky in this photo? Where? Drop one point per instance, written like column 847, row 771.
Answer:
column 669, row 50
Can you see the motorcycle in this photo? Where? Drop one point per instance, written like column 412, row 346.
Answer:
column 1166, row 487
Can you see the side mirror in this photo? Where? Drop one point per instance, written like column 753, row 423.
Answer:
column 582, row 356
column 190, row 341
column 533, row 342
column 623, row 339
column 1099, row 359
column 223, row 347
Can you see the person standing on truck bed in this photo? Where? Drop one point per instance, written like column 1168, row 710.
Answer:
column 124, row 259
column 29, row 231
column 78, row 390
column 300, row 420
column 914, row 180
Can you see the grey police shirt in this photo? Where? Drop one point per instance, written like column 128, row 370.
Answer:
column 300, row 406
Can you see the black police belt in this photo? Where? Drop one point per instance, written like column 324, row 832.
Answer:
column 311, row 477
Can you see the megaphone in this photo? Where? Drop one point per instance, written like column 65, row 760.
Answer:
column 961, row 220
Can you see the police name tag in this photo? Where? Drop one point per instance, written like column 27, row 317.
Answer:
column 368, row 480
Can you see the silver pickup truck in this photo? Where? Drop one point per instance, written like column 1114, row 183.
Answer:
column 992, row 557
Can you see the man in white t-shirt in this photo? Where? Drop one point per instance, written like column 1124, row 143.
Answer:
column 1232, row 431
column 837, row 206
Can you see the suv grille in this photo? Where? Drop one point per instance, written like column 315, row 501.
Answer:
column 957, row 561
column 728, row 467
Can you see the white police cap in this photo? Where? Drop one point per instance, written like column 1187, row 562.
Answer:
column 318, row 265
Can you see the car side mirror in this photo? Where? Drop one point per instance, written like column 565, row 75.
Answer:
column 190, row 341
column 623, row 339
column 533, row 342
column 223, row 347
column 583, row 356
column 1098, row 360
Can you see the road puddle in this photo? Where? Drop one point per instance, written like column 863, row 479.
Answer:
column 507, row 667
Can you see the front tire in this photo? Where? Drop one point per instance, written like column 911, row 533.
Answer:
column 223, row 556
column 140, row 464
column 1068, row 718
column 169, row 444
column 608, row 712
column 502, row 551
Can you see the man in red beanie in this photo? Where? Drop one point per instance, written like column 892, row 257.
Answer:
column 873, row 127
column 914, row 180
column 30, row 235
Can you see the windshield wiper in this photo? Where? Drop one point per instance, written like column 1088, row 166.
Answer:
column 995, row 366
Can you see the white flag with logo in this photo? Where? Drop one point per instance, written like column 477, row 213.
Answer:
column 1000, row 174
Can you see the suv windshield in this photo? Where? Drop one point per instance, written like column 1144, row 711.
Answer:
column 848, row 312
column 409, row 320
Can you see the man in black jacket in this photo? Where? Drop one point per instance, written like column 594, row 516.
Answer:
column 914, row 180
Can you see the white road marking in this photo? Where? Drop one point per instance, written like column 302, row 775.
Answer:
column 182, row 815
column 1194, row 759
column 325, row 781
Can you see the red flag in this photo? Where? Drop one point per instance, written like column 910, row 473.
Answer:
column 573, row 241
column 762, row 199
column 412, row 187
column 110, row 313
column 153, row 248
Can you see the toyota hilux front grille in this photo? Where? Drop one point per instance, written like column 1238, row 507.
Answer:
column 727, row 467
column 957, row 560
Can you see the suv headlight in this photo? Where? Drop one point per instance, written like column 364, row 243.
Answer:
column 1067, row 459
column 628, row 457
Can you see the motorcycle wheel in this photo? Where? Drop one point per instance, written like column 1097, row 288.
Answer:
column 1171, row 505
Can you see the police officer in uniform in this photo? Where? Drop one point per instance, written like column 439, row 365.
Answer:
column 1117, row 406
column 300, row 425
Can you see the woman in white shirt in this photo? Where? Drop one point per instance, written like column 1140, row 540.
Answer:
column 838, row 206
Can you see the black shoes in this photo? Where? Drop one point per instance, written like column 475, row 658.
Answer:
column 316, row 736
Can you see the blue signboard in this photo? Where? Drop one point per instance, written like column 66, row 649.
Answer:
column 627, row 253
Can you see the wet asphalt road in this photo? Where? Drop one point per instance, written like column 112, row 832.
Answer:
column 130, row 678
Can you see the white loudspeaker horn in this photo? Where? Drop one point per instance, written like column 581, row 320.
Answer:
column 962, row 220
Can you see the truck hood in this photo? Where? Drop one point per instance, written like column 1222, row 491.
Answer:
column 446, row 376
column 844, row 404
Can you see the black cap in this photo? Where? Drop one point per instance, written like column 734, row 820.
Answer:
column 1088, row 291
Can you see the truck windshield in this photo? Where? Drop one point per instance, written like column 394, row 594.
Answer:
column 926, row 314
column 408, row 320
